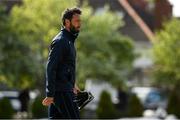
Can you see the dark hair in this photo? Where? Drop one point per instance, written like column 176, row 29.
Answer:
column 68, row 14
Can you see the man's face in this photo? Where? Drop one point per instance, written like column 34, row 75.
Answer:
column 75, row 23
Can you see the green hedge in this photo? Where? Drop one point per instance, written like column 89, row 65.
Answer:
column 106, row 108
column 6, row 109
column 38, row 110
column 135, row 108
column 173, row 106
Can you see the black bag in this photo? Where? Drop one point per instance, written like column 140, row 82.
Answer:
column 83, row 98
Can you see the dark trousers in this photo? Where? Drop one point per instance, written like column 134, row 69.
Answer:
column 64, row 107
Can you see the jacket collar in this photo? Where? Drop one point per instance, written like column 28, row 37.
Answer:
column 72, row 37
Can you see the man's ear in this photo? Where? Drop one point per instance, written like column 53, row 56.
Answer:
column 67, row 22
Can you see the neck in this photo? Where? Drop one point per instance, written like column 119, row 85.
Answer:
column 68, row 32
column 68, row 29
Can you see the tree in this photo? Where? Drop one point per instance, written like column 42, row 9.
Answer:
column 167, row 54
column 103, row 53
column 16, row 70
column 167, row 64
column 21, row 48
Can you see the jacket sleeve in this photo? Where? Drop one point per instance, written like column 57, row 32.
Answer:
column 55, row 55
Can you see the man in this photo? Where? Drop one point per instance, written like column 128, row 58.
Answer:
column 60, row 69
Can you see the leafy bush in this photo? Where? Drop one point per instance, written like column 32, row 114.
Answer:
column 6, row 109
column 38, row 110
column 173, row 106
column 106, row 109
column 135, row 108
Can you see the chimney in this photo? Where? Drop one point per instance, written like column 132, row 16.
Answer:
column 162, row 12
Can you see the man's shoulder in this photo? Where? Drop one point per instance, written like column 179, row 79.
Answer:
column 59, row 40
column 58, row 37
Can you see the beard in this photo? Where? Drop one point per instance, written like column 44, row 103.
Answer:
column 74, row 30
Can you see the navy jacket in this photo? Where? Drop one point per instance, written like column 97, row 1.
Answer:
column 60, row 67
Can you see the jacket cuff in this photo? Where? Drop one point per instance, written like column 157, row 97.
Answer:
column 49, row 94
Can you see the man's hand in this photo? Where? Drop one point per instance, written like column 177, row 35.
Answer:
column 76, row 89
column 47, row 101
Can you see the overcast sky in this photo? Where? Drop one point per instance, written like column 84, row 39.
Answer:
column 176, row 7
